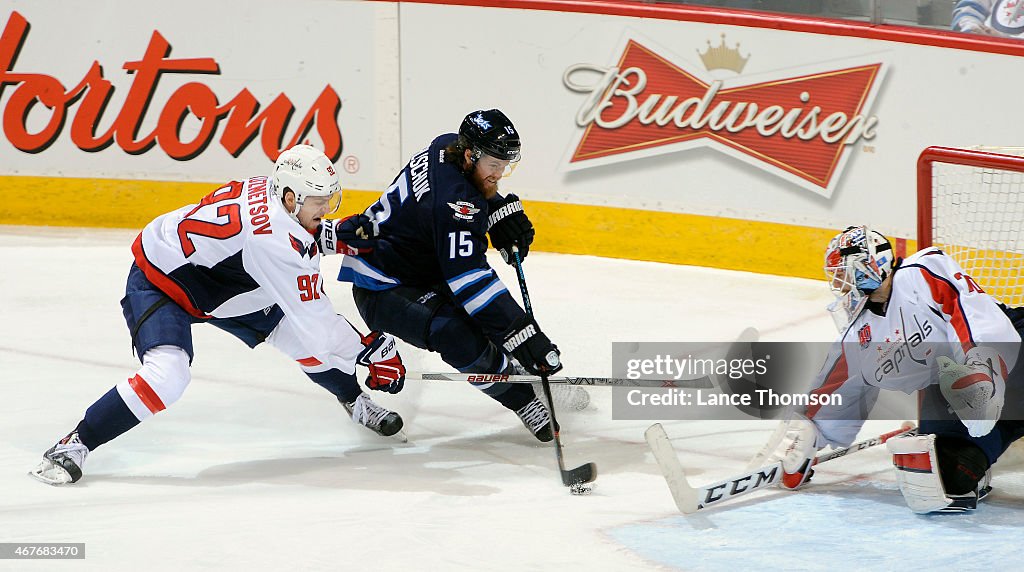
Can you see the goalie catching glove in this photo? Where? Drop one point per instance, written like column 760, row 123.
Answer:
column 509, row 226
column 531, row 348
column 387, row 373
column 796, row 452
column 975, row 389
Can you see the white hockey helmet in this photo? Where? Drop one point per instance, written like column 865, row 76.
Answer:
column 857, row 259
column 307, row 172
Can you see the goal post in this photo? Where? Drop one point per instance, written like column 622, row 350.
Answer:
column 970, row 203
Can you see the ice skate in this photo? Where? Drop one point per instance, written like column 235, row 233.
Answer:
column 381, row 421
column 62, row 464
column 536, row 418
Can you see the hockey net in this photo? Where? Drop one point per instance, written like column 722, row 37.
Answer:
column 971, row 205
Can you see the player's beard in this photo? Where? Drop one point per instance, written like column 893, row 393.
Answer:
column 486, row 187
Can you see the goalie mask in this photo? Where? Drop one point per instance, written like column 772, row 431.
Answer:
column 857, row 261
column 307, row 172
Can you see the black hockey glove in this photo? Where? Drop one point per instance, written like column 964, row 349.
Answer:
column 508, row 226
column 358, row 231
column 532, row 348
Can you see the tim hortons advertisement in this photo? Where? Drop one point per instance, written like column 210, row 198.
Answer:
column 169, row 96
column 799, row 124
column 235, row 120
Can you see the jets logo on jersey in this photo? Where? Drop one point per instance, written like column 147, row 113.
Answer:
column 864, row 335
column 464, row 210
column 301, row 248
column 1008, row 16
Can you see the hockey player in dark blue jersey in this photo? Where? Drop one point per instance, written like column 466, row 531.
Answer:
column 427, row 280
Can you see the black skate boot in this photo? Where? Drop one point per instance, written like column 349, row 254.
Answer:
column 372, row 416
column 536, row 418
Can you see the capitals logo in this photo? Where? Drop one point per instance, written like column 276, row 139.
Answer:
column 303, row 250
column 464, row 210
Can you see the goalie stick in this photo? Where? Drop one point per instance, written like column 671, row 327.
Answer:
column 689, row 499
column 699, row 383
column 586, row 473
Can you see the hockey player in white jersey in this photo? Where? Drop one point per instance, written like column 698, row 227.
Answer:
column 916, row 324
column 247, row 260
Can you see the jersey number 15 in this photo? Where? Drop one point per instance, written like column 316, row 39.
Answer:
column 460, row 244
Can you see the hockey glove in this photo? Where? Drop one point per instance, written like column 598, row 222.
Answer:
column 509, row 226
column 358, row 231
column 329, row 241
column 534, row 351
column 796, row 452
column 387, row 373
column 975, row 389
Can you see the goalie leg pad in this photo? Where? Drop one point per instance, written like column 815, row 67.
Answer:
column 962, row 465
column 917, row 473
column 927, row 478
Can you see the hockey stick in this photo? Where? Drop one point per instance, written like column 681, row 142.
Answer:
column 573, row 478
column 701, row 383
column 689, row 499
column 773, row 443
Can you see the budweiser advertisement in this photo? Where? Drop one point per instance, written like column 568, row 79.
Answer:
column 798, row 123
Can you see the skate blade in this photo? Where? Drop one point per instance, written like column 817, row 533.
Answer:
column 401, row 437
column 50, row 474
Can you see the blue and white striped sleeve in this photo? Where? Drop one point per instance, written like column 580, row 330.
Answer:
column 971, row 15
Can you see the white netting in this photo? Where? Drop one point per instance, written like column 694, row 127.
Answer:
column 977, row 215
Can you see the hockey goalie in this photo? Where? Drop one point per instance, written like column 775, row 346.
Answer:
column 915, row 324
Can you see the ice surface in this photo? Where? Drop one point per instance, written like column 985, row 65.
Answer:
column 257, row 468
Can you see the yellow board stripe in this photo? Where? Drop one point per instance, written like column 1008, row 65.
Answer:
column 677, row 238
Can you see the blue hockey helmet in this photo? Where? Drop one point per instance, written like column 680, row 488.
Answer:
column 491, row 132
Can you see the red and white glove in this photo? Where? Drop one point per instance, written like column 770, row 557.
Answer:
column 975, row 389
column 796, row 452
column 387, row 373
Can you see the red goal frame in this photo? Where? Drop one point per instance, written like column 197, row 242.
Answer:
column 971, row 158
